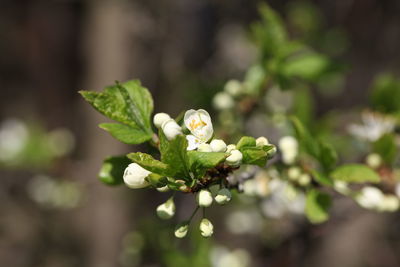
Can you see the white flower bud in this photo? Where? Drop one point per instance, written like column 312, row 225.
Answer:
column 160, row 118
column 218, row 145
column 171, row 129
column 235, row 158
column 223, row 101
column 233, row 87
column 166, row 210
column 271, row 152
column 389, row 203
column 181, row 230
column 229, row 148
column 342, row 187
column 370, row 197
column 204, row 198
column 204, row 147
column 135, row 176
column 206, row 228
column 223, row 196
column 374, row 160
column 163, row 189
column 289, row 148
column 304, row 179
column 261, row 141
column 294, row 173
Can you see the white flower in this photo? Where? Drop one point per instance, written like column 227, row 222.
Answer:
column 230, row 147
column 235, row 158
column 160, row 118
column 289, row 148
column 233, row 87
column 218, row 145
column 370, row 197
column 389, row 203
column 206, row 228
column 304, row 179
column 204, row 147
column 193, row 142
column 181, row 230
column 171, row 129
column 135, row 176
column 223, row 101
column 204, row 198
column 261, row 141
column 374, row 126
column 294, row 173
column 166, row 210
column 342, row 187
column 374, row 160
column 199, row 124
column 223, row 196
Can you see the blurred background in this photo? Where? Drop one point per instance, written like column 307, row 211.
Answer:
column 54, row 212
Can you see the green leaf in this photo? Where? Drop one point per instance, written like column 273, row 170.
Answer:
column 328, row 156
column 386, row 93
column 126, row 134
column 112, row 170
column 308, row 66
column 128, row 103
column 200, row 162
column 307, row 142
column 355, row 173
column 317, row 206
column 174, row 153
column 386, row 147
column 246, row 141
column 270, row 33
column 321, row 178
column 151, row 164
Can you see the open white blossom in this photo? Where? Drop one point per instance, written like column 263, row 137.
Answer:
column 160, row 118
column 199, row 124
column 171, row 129
column 135, row 176
column 374, row 126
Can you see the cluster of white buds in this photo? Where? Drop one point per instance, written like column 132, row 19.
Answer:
column 296, row 175
column 225, row 100
column 168, row 125
column 289, row 148
column 373, row 198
